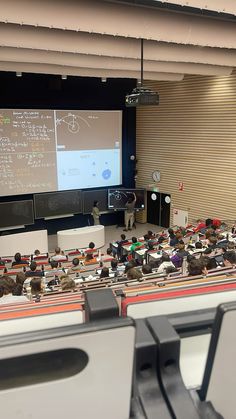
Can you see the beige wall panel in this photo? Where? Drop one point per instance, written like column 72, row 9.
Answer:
column 191, row 138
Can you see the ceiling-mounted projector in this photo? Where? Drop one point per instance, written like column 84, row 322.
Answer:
column 142, row 96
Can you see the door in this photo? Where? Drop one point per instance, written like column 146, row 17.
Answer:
column 153, row 207
column 165, row 210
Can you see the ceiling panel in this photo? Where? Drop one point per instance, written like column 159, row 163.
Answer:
column 85, row 72
column 103, row 37
column 21, row 36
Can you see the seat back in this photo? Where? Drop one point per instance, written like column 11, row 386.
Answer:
column 219, row 381
column 75, row 371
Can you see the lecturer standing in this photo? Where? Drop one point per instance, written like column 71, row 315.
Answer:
column 129, row 212
column 96, row 213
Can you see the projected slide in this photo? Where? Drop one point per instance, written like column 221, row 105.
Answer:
column 46, row 150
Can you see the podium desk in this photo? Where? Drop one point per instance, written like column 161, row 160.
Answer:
column 76, row 238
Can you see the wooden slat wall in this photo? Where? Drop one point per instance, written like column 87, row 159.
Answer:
column 191, row 138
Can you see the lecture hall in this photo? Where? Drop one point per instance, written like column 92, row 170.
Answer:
column 117, row 218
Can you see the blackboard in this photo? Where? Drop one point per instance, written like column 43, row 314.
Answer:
column 16, row 213
column 89, row 197
column 57, row 203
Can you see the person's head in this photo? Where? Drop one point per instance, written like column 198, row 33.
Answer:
column 95, row 203
column 207, row 251
column 212, row 240
column 57, row 250
column 36, row 286
column 209, row 263
column 109, row 251
column 165, row 257
column 181, row 246
column 20, row 278
column 33, row 266
column 178, row 235
column 114, row 263
column 104, row 272
column 134, row 239
column 208, row 222
column 91, row 245
column 170, row 269
column 198, row 245
column 7, row 285
column 146, row 269
column 231, row 246
column 209, row 232
column 67, row 283
column 17, row 257
column 36, row 252
column 150, row 234
column 134, row 273
column 196, row 267
column 229, row 258
column 75, row 262
column 131, row 264
column 54, row 264
column 123, row 236
column 171, row 231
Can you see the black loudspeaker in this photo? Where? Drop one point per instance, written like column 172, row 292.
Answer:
column 100, row 305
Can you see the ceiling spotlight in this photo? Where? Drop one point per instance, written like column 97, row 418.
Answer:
column 64, row 77
column 18, row 74
column 104, row 79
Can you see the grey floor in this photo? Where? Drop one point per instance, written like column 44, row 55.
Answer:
column 112, row 234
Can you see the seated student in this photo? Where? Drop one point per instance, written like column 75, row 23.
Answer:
column 90, row 248
column 59, row 255
column 165, row 263
column 135, row 244
column 209, row 262
column 2, row 263
column 33, row 270
column 36, row 253
column 151, row 235
column 196, row 267
column 131, row 264
column 231, row 245
column 36, row 286
column 75, row 267
column 171, row 234
column 175, row 240
column 181, row 249
column 114, row 265
column 20, row 280
column 146, row 269
column 120, row 244
column 18, row 260
column 134, row 273
column 109, row 253
column 229, row 259
column 104, row 272
column 67, row 283
column 55, row 272
column 212, row 241
column 7, row 288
